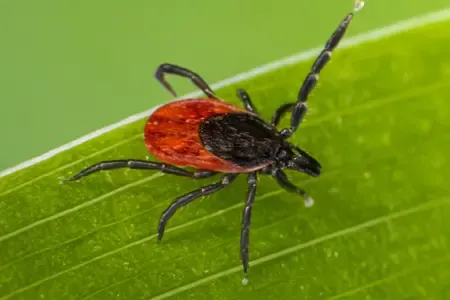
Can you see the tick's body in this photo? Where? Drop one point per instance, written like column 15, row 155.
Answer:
column 213, row 137
column 211, row 134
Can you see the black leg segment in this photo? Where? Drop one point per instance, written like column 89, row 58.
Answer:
column 143, row 165
column 246, row 101
column 183, row 72
column 188, row 198
column 299, row 108
column 246, row 220
column 280, row 112
column 284, row 182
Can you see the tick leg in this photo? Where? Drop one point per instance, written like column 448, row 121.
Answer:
column 282, row 110
column 189, row 197
column 141, row 164
column 245, row 98
column 183, row 72
column 299, row 108
column 284, row 182
column 246, row 220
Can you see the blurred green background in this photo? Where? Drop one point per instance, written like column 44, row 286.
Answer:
column 68, row 68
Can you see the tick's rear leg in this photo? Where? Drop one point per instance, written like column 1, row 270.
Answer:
column 246, row 101
column 183, row 72
column 143, row 165
column 189, row 197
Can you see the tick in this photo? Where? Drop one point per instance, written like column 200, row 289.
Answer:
column 214, row 137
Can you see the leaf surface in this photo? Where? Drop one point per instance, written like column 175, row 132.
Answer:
column 379, row 123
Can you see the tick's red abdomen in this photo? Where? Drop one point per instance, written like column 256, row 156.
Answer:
column 171, row 134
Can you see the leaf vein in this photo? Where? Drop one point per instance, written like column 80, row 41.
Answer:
column 136, row 276
column 54, row 171
column 132, row 244
column 393, row 277
column 287, row 251
column 78, row 207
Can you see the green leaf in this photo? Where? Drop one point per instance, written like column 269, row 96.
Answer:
column 379, row 123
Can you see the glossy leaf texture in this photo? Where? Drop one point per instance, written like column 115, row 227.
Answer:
column 379, row 123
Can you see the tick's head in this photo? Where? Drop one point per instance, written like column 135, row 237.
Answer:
column 292, row 157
